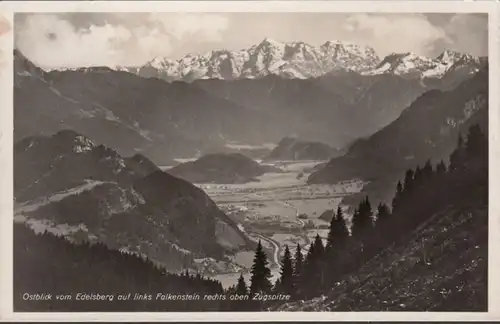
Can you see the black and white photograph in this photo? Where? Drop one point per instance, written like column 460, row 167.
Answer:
column 251, row 161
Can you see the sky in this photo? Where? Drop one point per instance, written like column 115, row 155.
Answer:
column 131, row 39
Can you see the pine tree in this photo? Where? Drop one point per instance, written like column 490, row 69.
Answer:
column 428, row 170
column 286, row 279
column 441, row 167
column 260, row 272
column 363, row 217
column 382, row 212
column 331, row 232
column 338, row 232
column 408, row 182
column 397, row 196
column 319, row 248
column 319, row 269
column 417, row 177
column 241, row 286
column 309, row 257
column 340, row 214
column 299, row 260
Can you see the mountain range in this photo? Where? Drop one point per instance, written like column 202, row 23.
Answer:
column 167, row 120
column 299, row 60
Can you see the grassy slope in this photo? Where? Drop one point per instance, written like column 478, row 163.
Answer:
column 450, row 276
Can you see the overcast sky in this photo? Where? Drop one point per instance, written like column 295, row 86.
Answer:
column 88, row 39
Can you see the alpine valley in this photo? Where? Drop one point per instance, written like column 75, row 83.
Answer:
column 228, row 163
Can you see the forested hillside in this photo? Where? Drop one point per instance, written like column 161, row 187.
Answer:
column 46, row 263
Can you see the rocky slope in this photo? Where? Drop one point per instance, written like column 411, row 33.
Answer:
column 427, row 129
column 66, row 184
column 293, row 149
column 221, row 168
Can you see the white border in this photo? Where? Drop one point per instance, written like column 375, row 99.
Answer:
column 6, row 139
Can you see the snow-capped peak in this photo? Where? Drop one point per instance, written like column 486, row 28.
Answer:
column 270, row 41
column 269, row 57
column 404, row 63
column 449, row 56
column 413, row 64
column 161, row 62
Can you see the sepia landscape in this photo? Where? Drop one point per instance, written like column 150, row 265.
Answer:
column 176, row 162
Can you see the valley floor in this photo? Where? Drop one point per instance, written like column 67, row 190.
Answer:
column 280, row 209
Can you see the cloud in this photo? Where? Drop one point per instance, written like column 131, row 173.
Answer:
column 392, row 32
column 184, row 25
column 52, row 40
column 468, row 33
column 85, row 39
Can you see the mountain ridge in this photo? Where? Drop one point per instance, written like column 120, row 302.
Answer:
column 298, row 59
column 99, row 195
column 425, row 130
column 220, row 168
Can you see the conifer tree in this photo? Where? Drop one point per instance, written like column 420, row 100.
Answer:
column 318, row 267
column 441, row 168
column 331, row 232
column 382, row 231
column 428, row 170
column 363, row 217
column 260, row 272
column 298, row 269
column 319, row 248
column 340, row 214
column 241, row 286
column 417, row 177
column 286, row 279
column 366, row 208
column 408, row 182
column 299, row 260
column 338, row 232
column 309, row 256
column 397, row 196
column 382, row 212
